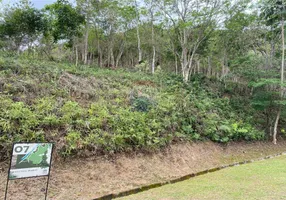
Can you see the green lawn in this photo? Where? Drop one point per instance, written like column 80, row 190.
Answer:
column 260, row 180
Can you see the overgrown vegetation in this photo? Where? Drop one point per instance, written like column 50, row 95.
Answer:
column 105, row 88
column 90, row 110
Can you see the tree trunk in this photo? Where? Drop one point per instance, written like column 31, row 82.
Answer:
column 108, row 58
column 222, row 69
column 190, row 65
column 198, row 66
column 118, row 59
column 209, row 67
column 153, row 60
column 176, row 64
column 138, row 34
column 272, row 54
column 76, row 56
column 99, row 58
column 153, row 39
column 86, row 45
column 90, row 59
column 184, row 56
column 186, row 75
column 121, row 50
column 282, row 81
column 139, row 45
column 112, row 57
column 275, row 126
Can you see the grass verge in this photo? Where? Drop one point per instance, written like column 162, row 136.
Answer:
column 262, row 180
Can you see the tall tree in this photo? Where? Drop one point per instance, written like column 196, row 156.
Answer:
column 22, row 24
column 65, row 23
column 194, row 21
column 274, row 11
column 85, row 7
column 64, row 20
column 138, row 30
column 150, row 5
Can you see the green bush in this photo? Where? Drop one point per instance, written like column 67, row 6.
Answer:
column 74, row 142
column 42, row 107
column 142, row 104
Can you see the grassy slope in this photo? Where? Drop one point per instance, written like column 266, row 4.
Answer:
column 88, row 110
column 261, row 180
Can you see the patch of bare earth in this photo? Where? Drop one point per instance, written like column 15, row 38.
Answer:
column 94, row 177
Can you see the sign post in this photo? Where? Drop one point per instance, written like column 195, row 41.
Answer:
column 30, row 160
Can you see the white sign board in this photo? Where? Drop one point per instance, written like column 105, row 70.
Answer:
column 30, row 160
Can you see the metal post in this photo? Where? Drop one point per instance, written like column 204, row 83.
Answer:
column 6, row 191
column 47, row 187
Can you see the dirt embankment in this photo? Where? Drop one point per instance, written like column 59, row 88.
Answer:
column 85, row 179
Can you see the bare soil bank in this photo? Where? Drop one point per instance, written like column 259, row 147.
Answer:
column 85, row 179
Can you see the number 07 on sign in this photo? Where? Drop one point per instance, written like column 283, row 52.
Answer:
column 30, row 160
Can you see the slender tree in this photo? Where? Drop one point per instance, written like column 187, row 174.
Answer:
column 274, row 12
column 22, row 25
column 194, row 21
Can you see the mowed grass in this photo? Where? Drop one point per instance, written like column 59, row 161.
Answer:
column 260, row 180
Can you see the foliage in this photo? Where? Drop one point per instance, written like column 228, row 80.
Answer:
column 128, row 111
column 22, row 23
column 95, row 97
column 64, row 21
column 142, row 104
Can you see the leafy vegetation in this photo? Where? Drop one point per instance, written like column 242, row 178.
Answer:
column 110, row 76
column 105, row 111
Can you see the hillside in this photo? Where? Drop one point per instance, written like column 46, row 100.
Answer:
column 138, row 93
column 93, row 111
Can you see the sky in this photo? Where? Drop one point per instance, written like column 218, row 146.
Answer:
column 42, row 3
column 37, row 3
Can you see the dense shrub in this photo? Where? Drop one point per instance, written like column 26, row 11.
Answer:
column 102, row 111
